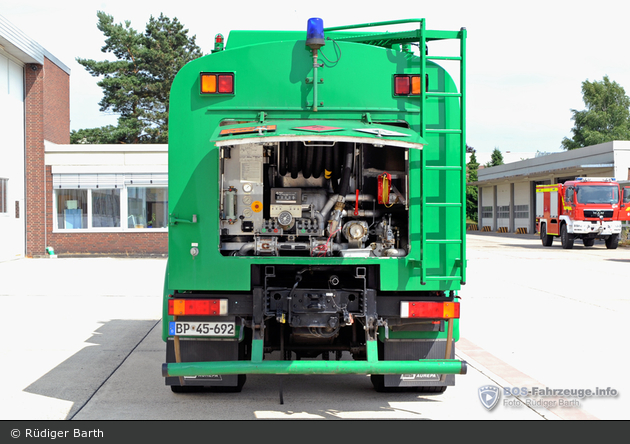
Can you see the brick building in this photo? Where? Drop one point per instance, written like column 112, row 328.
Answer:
column 75, row 199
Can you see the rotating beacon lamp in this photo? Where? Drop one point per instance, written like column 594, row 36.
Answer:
column 315, row 40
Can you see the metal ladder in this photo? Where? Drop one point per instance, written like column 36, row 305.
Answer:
column 421, row 36
column 427, row 35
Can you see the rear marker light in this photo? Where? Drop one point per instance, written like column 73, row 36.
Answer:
column 226, row 84
column 429, row 310
column 217, row 83
column 402, row 86
column 197, row 307
column 407, row 85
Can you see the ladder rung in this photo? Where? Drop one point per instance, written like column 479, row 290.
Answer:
column 443, row 131
column 443, row 278
column 441, row 94
column 443, row 204
column 443, row 58
column 444, row 241
column 444, row 168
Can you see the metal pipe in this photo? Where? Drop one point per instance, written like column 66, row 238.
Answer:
column 426, row 366
column 245, row 248
column 315, row 80
column 395, row 252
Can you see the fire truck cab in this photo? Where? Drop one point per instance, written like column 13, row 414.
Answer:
column 586, row 208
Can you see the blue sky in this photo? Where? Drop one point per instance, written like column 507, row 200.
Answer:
column 526, row 60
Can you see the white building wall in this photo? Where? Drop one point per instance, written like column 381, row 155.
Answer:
column 12, row 225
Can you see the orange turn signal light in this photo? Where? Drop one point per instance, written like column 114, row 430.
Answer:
column 407, row 85
column 217, row 83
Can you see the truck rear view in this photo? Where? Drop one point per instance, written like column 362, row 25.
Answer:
column 316, row 202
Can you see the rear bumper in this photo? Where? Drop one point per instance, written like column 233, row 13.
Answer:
column 428, row 366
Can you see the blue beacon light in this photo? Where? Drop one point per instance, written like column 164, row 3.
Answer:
column 315, row 33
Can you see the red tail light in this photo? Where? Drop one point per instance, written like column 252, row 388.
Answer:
column 429, row 310
column 216, row 83
column 197, row 307
column 226, row 83
column 407, row 85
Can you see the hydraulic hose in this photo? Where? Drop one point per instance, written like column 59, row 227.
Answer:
column 282, row 159
column 307, row 167
column 318, row 161
column 347, row 169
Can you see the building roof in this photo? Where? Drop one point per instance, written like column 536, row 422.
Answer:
column 23, row 48
column 606, row 159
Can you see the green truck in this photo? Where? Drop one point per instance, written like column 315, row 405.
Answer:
column 317, row 208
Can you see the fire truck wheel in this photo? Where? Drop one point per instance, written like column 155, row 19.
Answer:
column 566, row 238
column 612, row 241
column 589, row 242
column 547, row 239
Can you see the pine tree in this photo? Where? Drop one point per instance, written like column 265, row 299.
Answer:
column 137, row 84
column 472, row 193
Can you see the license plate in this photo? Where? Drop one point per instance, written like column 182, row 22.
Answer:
column 201, row 328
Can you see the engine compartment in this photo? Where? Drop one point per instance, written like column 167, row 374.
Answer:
column 317, row 199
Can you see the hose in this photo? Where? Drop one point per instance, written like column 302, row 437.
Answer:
column 347, row 169
column 282, row 159
column 307, row 166
column 318, row 162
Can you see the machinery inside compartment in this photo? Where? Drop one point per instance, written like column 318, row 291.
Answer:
column 317, row 199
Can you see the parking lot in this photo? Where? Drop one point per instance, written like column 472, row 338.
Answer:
column 83, row 341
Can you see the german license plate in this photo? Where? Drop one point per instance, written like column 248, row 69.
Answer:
column 201, row 328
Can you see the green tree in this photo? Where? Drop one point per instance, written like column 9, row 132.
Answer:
column 606, row 117
column 496, row 158
column 136, row 86
column 472, row 193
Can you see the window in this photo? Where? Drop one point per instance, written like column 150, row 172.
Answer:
column 486, row 212
column 147, row 207
column 72, row 209
column 3, row 195
column 597, row 194
column 521, row 211
column 106, row 208
column 110, row 202
column 503, row 212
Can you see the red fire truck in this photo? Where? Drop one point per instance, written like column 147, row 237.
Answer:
column 586, row 208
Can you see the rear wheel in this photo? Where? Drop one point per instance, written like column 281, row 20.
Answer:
column 566, row 238
column 378, row 381
column 211, row 389
column 612, row 242
column 547, row 239
column 589, row 242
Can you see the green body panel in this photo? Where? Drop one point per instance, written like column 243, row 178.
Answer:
column 361, row 82
column 277, row 91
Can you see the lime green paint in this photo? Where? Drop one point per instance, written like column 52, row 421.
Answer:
column 271, row 70
column 425, row 366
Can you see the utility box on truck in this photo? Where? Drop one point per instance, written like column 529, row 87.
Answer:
column 587, row 208
column 317, row 208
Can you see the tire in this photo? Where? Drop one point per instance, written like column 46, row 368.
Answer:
column 211, row 389
column 588, row 242
column 547, row 239
column 566, row 238
column 612, row 241
column 432, row 389
column 378, row 381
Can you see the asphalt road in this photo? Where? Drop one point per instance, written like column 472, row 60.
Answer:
column 84, row 343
